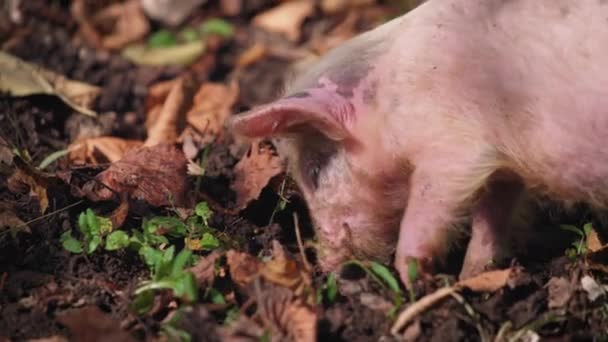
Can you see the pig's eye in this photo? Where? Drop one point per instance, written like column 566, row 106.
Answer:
column 313, row 175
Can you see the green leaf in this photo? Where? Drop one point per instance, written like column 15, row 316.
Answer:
column 386, row 275
column 105, row 225
column 208, row 241
column 588, row 228
column 143, row 302
column 51, row 158
column 331, row 288
column 573, row 229
column 162, row 225
column 82, row 223
column 203, row 211
column 217, row 26
column 69, row 243
column 185, row 287
column 117, row 240
column 94, row 228
column 412, row 271
column 189, row 35
column 151, row 256
column 180, row 262
column 161, row 39
column 93, row 244
column 216, row 296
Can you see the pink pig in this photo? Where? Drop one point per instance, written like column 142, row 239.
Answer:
column 448, row 115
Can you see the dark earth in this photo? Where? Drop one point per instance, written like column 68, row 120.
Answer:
column 40, row 281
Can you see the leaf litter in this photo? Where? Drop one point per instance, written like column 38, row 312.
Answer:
column 179, row 254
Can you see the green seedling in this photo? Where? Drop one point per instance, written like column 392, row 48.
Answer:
column 170, row 273
column 383, row 276
column 329, row 290
column 53, row 157
column 92, row 229
column 171, row 329
column 579, row 247
column 282, row 202
column 218, row 27
column 162, row 39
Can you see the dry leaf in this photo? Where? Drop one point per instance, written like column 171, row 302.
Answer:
column 170, row 12
column 488, row 281
column 560, row 291
column 285, row 272
column 286, row 18
column 593, row 289
column 35, row 182
column 92, row 324
column 100, row 150
column 211, row 108
column 181, row 54
column 243, row 267
column 253, row 172
column 251, row 55
column 155, row 174
column 593, row 242
column 335, row 6
column 20, row 78
column 204, row 270
column 129, row 24
column 165, row 125
column 10, row 220
column 119, row 215
column 6, row 154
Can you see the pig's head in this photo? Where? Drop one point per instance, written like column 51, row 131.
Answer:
column 338, row 154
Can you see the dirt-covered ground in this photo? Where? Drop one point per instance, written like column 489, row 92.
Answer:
column 103, row 186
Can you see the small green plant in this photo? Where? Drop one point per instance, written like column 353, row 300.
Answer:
column 169, row 273
column 329, row 290
column 579, row 247
column 383, row 276
column 92, row 230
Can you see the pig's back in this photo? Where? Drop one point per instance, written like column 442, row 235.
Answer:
column 532, row 76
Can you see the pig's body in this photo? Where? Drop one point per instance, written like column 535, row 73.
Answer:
column 448, row 112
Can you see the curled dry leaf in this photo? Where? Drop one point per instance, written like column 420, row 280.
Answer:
column 281, row 314
column 253, row 172
column 164, row 124
column 20, row 78
column 170, row 12
column 182, row 54
column 92, row 324
column 593, row 242
column 211, row 108
column 285, row 272
column 560, row 291
column 286, row 18
column 100, row 150
column 243, row 267
column 156, row 175
column 129, row 24
column 36, row 183
column 204, row 270
column 488, row 281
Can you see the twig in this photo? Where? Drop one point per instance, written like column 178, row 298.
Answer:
column 26, row 224
column 407, row 315
column 300, row 244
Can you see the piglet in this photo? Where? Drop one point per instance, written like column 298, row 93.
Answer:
column 451, row 114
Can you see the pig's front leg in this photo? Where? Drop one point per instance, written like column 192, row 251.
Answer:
column 492, row 219
column 430, row 218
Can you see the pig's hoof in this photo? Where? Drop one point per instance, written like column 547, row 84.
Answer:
column 412, row 269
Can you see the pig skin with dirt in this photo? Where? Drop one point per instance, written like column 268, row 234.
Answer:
column 448, row 115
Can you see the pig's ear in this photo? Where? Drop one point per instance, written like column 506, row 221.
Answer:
column 324, row 111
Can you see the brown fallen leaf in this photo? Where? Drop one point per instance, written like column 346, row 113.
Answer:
column 164, row 125
column 212, row 106
column 252, row 55
column 93, row 325
column 35, row 182
column 204, row 270
column 6, row 154
column 560, row 291
column 253, row 172
column 156, row 175
column 100, row 150
column 243, row 267
column 286, row 18
column 334, row 6
column 285, row 272
column 10, row 220
column 488, row 281
column 593, row 242
column 20, row 78
column 129, row 24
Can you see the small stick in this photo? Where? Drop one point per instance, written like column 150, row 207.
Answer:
column 407, row 315
column 300, row 244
